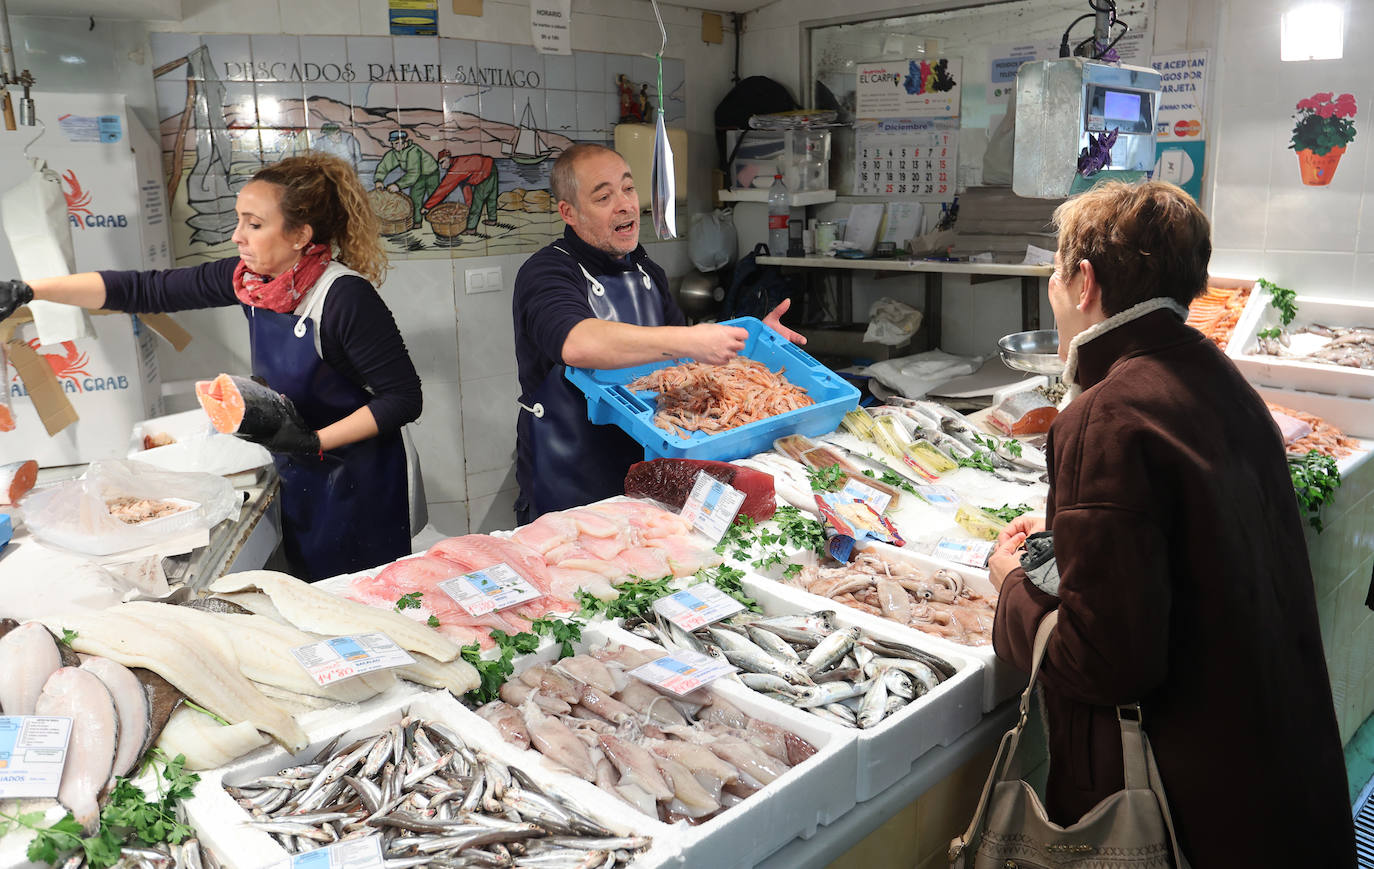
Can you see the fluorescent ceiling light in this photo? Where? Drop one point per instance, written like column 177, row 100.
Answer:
column 1313, row 31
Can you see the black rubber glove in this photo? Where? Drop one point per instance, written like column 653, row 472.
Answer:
column 13, row 295
column 293, row 436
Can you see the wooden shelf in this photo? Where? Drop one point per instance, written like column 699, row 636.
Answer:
column 798, row 200
column 1009, row 270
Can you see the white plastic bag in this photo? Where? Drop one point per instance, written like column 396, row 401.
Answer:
column 891, row 322
column 914, row 376
column 711, row 243
column 74, row 515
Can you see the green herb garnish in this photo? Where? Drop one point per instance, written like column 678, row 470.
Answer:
column 67, row 636
column 432, row 621
column 1281, row 299
column 1315, row 480
column 1006, row 512
column 791, row 571
column 827, row 479
column 1013, row 447
column 492, row 673
column 562, row 631
column 409, row 601
column 128, row 817
column 979, row 459
column 636, row 597
column 1271, row 332
column 798, row 529
column 729, row 580
column 204, row 711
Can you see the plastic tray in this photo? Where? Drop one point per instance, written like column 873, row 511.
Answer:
column 1283, row 373
column 610, row 402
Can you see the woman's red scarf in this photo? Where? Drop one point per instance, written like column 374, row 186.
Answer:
column 284, row 292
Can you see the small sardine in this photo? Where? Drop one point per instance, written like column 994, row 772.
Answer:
column 831, row 692
column 874, row 706
column 773, row 644
column 831, row 649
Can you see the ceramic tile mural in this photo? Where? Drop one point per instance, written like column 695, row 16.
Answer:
column 454, row 138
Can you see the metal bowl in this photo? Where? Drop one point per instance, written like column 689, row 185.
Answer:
column 1036, row 352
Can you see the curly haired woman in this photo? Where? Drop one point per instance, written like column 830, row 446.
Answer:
column 309, row 257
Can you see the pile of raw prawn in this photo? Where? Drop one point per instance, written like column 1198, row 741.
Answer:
column 715, row 398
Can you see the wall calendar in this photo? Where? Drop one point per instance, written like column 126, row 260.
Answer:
column 916, row 158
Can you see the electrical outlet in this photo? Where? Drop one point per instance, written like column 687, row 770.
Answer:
column 486, row 280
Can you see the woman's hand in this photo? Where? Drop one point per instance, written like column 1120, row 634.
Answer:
column 774, row 322
column 1007, row 556
column 1023, row 525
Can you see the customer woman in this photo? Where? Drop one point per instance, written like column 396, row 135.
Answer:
column 309, row 257
column 1183, row 580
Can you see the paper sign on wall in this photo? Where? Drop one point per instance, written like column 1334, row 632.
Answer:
column 1182, row 98
column 551, row 26
column 909, row 88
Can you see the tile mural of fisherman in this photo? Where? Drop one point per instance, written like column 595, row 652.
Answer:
column 419, row 171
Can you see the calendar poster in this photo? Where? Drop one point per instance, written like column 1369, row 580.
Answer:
column 908, row 89
column 912, row 157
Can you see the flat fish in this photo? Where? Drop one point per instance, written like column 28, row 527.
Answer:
column 163, row 700
column 28, row 656
column 132, row 707
column 319, row 612
column 91, row 750
column 200, row 673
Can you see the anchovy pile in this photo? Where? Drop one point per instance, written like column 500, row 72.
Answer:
column 188, row 855
column 434, row 801
column 844, row 675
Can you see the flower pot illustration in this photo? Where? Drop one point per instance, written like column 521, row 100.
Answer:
column 1318, row 170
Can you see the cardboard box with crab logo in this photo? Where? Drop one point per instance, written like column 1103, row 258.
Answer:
column 76, row 401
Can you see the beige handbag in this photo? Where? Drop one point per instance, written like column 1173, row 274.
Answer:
column 1131, row 828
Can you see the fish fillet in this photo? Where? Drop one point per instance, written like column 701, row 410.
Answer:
column 81, row 695
column 261, row 646
column 28, row 656
column 205, row 742
column 319, row 612
column 131, row 704
column 200, row 673
column 458, row 677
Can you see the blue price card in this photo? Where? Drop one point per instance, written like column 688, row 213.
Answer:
column 339, row 658
column 33, row 750
column 492, row 588
column 699, row 605
column 711, row 506
column 683, row 671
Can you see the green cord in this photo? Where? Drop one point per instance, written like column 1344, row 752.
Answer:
column 659, row 57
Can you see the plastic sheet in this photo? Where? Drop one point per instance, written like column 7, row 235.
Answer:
column 75, row 515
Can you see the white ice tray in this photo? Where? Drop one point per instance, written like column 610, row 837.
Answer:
column 812, row 793
column 220, row 822
column 1283, row 373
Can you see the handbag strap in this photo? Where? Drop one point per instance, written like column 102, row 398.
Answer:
column 1138, row 759
column 1006, row 750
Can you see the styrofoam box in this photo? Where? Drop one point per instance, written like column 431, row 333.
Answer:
column 1000, row 679
column 197, row 446
column 810, row 794
column 886, row 752
column 220, row 822
column 1293, row 373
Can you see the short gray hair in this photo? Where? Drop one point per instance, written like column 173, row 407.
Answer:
column 563, row 176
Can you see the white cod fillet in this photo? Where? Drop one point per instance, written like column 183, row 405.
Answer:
column 28, row 656
column 95, row 732
column 205, row 742
column 131, row 704
column 202, row 674
column 262, row 647
column 458, row 677
column 319, row 612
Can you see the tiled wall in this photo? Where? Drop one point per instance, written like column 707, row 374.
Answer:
column 461, row 344
column 1318, row 240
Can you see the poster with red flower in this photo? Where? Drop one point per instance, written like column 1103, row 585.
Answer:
column 1323, row 126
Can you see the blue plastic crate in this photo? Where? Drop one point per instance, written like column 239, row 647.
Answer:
column 610, row 402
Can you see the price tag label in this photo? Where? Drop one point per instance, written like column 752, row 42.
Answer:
column 974, row 553
column 352, row 854
column 339, row 658
column 711, row 506
column 683, row 671
column 940, row 497
column 33, row 749
column 866, row 494
column 493, row 588
column 699, row 605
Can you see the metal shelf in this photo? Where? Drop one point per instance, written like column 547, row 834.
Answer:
column 797, row 200
column 1010, row 270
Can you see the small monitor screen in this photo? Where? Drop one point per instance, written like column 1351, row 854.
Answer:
column 1121, row 106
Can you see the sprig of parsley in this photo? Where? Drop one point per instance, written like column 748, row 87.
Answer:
column 827, row 479
column 800, row 530
column 1315, row 480
column 201, row 709
column 1006, row 512
column 409, row 601
column 729, row 580
column 1271, row 332
column 1281, row 299
column 67, row 636
column 892, row 479
column 128, row 817
column 432, row 621
column 979, row 459
column 492, row 674
column 738, row 538
column 563, row 631
column 636, row 597
column 1013, row 447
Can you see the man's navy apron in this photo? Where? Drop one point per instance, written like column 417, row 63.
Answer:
column 564, row 460
column 348, row 511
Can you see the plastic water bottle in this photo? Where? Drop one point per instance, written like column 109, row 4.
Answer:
column 779, row 210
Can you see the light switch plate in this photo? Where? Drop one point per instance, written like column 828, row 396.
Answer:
column 486, row 280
